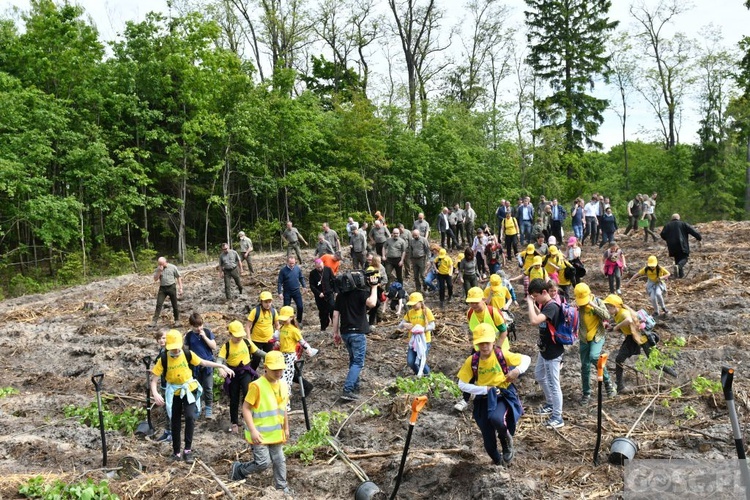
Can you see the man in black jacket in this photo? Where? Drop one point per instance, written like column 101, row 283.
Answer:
column 675, row 233
column 321, row 285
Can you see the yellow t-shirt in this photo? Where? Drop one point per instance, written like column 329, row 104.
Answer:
column 621, row 316
column 280, row 389
column 238, row 352
column 560, row 262
column 528, row 259
column 653, row 274
column 498, row 295
column 495, row 319
column 537, row 272
column 489, row 372
column 510, row 227
column 178, row 370
column 444, row 265
column 590, row 322
column 289, row 336
column 263, row 328
column 422, row 317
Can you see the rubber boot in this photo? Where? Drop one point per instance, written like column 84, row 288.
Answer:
column 507, row 443
column 618, row 378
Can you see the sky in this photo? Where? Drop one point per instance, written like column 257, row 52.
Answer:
column 730, row 16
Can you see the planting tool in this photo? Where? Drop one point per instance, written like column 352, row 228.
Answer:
column 97, row 380
column 600, row 379
column 298, row 366
column 416, row 407
column 146, row 428
column 624, row 448
column 727, row 377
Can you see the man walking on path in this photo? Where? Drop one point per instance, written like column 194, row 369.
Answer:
column 460, row 218
column 358, row 247
column 292, row 238
column 246, row 246
column 470, row 216
column 332, row 237
column 321, row 286
column 230, row 266
column 394, row 254
column 675, row 233
column 419, row 252
column 170, row 285
column 422, row 226
column 290, row 285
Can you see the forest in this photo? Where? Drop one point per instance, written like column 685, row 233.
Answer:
column 229, row 115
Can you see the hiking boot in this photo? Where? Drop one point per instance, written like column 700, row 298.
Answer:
column 544, row 410
column 611, row 390
column 508, row 451
column 209, row 413
column 669, row 371
column 234, row 472
column 165, row 438
column 585, row 400
column 349, row 396
column 461, row 405
column 555, row 423
column 188, row 456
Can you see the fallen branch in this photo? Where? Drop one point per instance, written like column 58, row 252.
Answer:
column 399, row 451
column 216, row 478
column 706, row 434
column 352, row 413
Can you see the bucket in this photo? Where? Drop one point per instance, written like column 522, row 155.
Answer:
column 622, row 449
column 367, row 491
column 130, row 467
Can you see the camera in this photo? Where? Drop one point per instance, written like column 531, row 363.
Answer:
column 355, row 280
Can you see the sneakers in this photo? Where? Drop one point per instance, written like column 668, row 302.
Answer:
column 461, row 405
column 619, row 291
column 176, row 457
column 286, row 491
column 349, row 396
column 585, row 400
column 508, row 451
column 165, row 438
column 611, row 390
column 188, row 456
column 555, row 423
column 234, row 472
column 209, row 413
column 544, row 410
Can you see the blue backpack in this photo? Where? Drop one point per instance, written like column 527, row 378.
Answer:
column 565, row 332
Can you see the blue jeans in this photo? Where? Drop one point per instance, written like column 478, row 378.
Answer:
column 296, row 295
column 356, row 346
column 547, row 373
column 590, row 352
column 525, row 232
column 429, row 280
column 411, row 360
column 578, row 231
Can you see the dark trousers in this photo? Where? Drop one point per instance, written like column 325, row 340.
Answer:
column 460, row 235
column 492, row 425
column 628, row 348
column 205, row 377
column 453, row 231
column 651, row 218
column 255, row 358
column 445, row 281
column 511, row 243
column 229, row 275
column 556, row 230
column 481, row 267
column 591, row 229
column 293, row 247
column 180, row 406
column 680, row 259
column 295, row 295
column 614, row 279
column 447, row 238
column 470, row 281
column 237, row 387
column 632, row 223
column 391, row 264
column 164, row 292
column 248, row 260
column 607, row 237
column 358, row 260
column 325, row 310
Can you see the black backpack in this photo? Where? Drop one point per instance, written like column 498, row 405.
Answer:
column 226, row 348
column 185, row 351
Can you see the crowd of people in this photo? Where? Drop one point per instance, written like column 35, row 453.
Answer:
column 526, row 246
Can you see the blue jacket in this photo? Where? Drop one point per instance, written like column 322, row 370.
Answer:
column 290, row 279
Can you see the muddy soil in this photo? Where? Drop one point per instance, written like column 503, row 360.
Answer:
column 52, row 345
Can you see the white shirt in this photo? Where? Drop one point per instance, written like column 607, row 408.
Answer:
column 471, row 215
column 591, row 209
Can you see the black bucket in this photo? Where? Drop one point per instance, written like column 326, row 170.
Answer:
column 368, row 491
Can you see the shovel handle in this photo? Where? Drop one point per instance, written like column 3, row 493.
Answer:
column 416, row 407
column 97, row 380
column 727, row 377
column 600, row 366
column 147, row 361
column 299, row 364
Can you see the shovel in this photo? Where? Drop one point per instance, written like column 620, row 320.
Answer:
column 298, row 366
column 727, row 377
column 97, row 380
column 416, row 407
column 145, row 428
column 600, row 379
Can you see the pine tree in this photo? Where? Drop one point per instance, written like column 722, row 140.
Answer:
column 567, row 40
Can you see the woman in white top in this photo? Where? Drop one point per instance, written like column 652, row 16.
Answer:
column 478, row 246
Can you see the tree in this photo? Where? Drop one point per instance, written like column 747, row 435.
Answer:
column 664, row 86
column 622, row 67
column 567, row 41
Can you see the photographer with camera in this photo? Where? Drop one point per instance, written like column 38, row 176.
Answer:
column 357, row 292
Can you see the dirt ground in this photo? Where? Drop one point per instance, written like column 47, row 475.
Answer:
column 52, row 346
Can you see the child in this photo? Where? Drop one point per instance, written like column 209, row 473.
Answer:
column 183, row 391
column 200, row 340
column 444, row 266
column 655, row 285
column 289, row 337
column 420, row 322
column 161, row 340
column 534, row 271
column 396, row 295
column 267, row 423
column 525, row 260
column 613, row 264
column 236, row 355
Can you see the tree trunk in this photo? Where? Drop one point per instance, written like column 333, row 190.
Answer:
column 747, row 180
column 83, row 243
column 181, row 243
